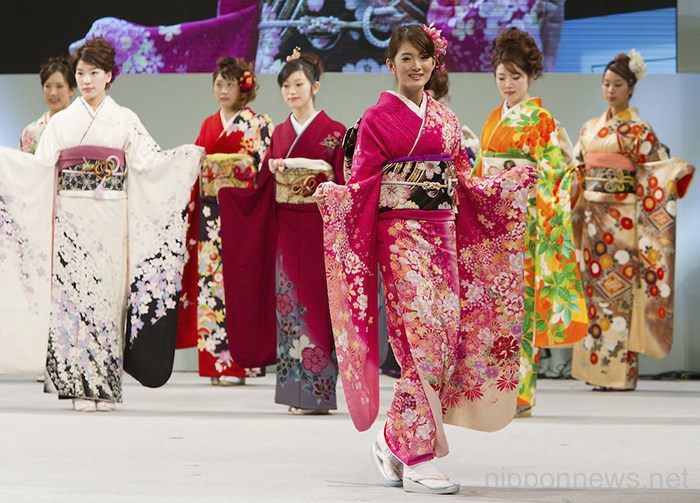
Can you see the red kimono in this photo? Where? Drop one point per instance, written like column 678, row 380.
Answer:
column 275, row 282
column 202, row 310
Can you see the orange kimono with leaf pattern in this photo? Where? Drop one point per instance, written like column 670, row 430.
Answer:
column 555, row 310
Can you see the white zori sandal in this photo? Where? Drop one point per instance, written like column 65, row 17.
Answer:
column 427, row 479
column 390, row 467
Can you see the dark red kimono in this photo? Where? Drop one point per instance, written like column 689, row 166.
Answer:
column 275, row 281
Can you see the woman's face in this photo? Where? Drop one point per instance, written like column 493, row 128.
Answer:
column 513, row 84
column 298, row 91
column 57, row 93
column 92, row 82
column 616, row 91
column 412, row 68
column 226, row 93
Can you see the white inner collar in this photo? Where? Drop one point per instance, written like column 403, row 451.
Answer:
column 418, row 110
column 299, row 127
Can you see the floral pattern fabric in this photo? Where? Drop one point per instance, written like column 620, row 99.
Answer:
column 555, row 310
column 307, row 370
column 186, row 47
column 32, row 133
column 628, row 244
column 425, row 284
column 249, row 135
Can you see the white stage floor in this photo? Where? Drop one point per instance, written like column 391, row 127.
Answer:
column 193, row 442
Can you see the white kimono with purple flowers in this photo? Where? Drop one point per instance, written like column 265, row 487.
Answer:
column 92, row 231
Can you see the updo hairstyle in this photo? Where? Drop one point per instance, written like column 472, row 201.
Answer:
column 516, row 49
column 233, row 69
column 308, row 63
column 97, row 52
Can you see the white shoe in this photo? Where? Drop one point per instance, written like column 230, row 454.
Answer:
column 390, row 467
column 104, row 406
column 231, row 381
column 84, row 405
column 427, row 479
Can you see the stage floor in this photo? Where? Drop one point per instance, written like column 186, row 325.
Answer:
column 193, row 442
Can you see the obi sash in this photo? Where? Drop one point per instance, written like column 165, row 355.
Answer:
column 418, row 183
column 227, row 170
column 91, row 168
column 494, row 163
column 610, row 173
column 298, row 181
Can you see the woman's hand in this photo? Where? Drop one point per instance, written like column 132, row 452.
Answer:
column 319, row 196
column 276, row 165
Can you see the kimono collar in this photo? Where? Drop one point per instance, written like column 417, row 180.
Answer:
column 298, row 126
column 228, row 123
column 624, row 115
column 93, row 113
column 505, row 110
column 419, row 111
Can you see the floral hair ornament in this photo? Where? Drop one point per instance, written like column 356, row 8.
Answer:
column 296, row 54
column 246, row 82
column 439, row 41
column 637, row 64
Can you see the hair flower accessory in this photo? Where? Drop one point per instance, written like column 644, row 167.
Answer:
column 439, row 41
column 296, row 54
column 246, row 82
column 637, row 64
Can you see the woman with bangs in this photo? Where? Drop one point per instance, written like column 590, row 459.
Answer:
column 626, row 229
column 397, row 213
column 520, row 132
column 287, row 297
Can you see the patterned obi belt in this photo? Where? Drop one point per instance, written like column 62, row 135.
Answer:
column 418, row 183
column 494, row 163
column 298, row 181
column 609, row 173
column 91, row 168
column 227, row 170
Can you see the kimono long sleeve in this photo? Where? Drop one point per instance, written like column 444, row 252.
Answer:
column 159, row 187
column 559, row 306
column 350, row 230
column 26, row 204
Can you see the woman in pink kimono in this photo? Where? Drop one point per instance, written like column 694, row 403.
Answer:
column 453, row 286
column 627, row 217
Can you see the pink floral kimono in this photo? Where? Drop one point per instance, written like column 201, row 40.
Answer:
column 454, row 291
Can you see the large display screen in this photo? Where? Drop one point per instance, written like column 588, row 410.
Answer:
column 171, row 36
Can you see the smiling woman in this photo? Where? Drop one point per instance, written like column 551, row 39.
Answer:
column 398, row 214
column 58, row 85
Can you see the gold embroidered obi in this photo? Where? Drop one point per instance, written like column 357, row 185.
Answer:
column 418, row 184
column 299, row 179
column 609, row 173
column 91, row 168
column 227, row 170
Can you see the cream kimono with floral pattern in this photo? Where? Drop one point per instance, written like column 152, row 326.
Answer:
column 627, row 222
